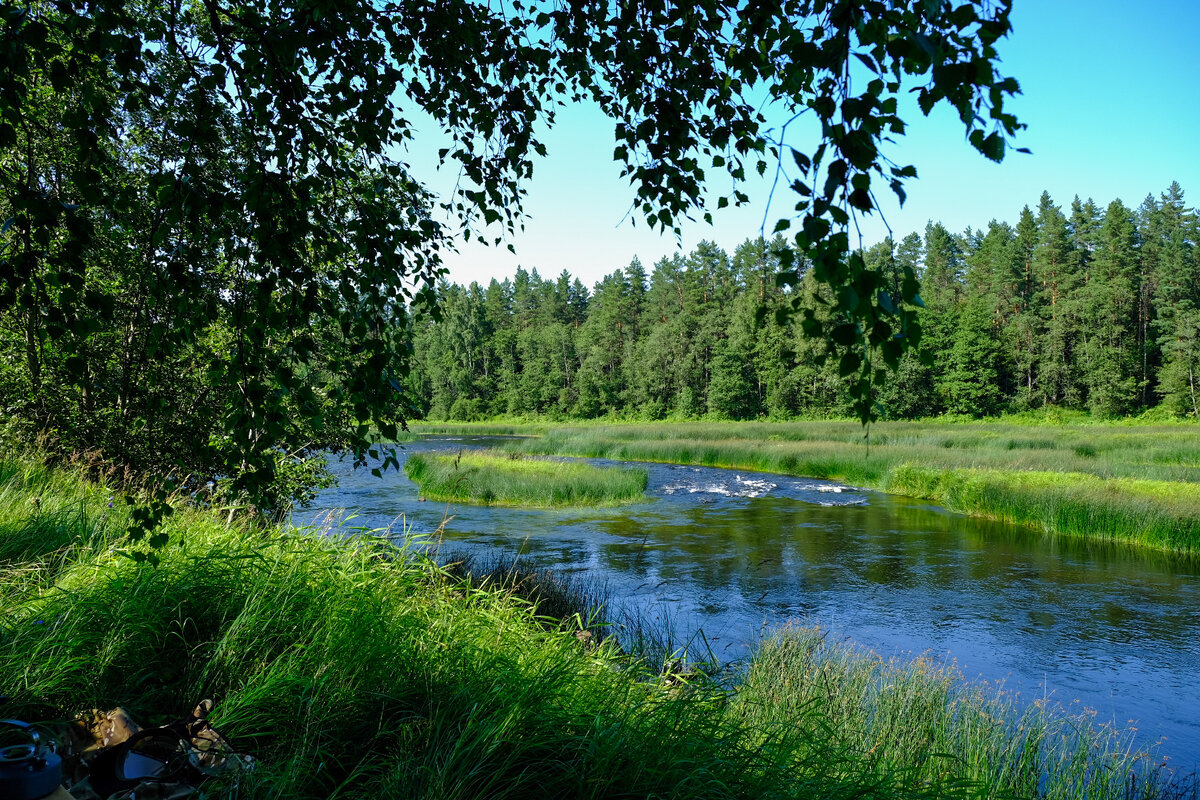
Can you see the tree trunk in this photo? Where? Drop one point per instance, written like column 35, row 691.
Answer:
column 33, row 356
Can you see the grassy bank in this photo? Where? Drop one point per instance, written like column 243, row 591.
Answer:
column 1117, row 482
column 918, row 719
column 1160, row 514
column 493, row 477
column 354, row 668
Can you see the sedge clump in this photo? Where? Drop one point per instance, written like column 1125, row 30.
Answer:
column 494, row 477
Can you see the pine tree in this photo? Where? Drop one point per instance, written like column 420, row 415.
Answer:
column 1024, row 331
column 909, row 391
column 756, row 261
column 972, row 379
column 1056, row 280
column 1109, row 316
column 1178, row 302
column 661, row 363
column 502, row 364
column 1095, row 311
column 941, row 288
column 603, row 340
column 819, row 389
column 733, row 390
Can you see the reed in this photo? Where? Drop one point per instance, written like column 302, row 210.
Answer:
column 562, row 600
column 1160, row 514
column 919, row 720
column 493, row 477
column 1136, row 485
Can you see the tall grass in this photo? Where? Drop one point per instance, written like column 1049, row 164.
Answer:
column 919, row 720
column 1116, row 483
column 581, row 604
column 494, row 477
column 517, row 427
column 46, row 517
column 1160, row 514
column 359, row 668
column 563, row 600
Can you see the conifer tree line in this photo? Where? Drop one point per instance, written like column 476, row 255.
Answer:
column 1084, row 308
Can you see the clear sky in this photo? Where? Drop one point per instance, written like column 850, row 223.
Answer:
column 1110, row 92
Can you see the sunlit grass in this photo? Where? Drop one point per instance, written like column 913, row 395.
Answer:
column 1159, row 514
column 493, row 477
column 1118, row 483
column 919, row 720
column 356, row 667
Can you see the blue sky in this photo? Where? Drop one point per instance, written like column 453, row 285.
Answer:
column 1111, row 95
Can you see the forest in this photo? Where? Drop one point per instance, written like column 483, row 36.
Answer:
column 1077, row 307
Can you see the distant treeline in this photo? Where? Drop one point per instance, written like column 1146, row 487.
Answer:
column 1088, row 308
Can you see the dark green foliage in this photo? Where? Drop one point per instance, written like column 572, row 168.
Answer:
column 1085, row 312
column 1171, row 233
column 733, row 391
column 206, row 261
column 1109, row 307
column 971, row 381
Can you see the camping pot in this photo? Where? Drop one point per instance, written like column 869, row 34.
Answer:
column 28, row 770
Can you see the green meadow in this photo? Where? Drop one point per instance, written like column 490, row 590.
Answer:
column 493, row 477
column 1118, row 482
column 357, row 667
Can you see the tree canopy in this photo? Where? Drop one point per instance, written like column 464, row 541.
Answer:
column 211, row 238
column 1093, row 310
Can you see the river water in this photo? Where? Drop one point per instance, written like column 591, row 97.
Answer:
column 735, row 554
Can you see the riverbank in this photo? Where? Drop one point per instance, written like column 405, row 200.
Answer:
column 1119, row 483
column 354, row 667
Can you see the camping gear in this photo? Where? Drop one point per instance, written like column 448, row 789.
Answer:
column 31, row 769
column 107, row 756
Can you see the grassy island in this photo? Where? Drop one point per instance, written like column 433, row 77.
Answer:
column 354, row 667
column 492, row 477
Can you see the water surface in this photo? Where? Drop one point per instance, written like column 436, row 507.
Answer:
column 735, row 554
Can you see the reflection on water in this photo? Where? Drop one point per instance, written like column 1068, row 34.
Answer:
column 736, row 553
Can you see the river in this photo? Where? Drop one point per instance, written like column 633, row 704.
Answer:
column 735, row 554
